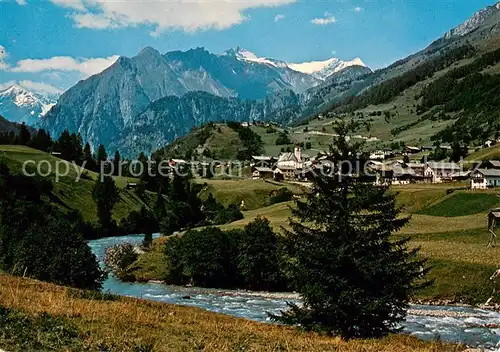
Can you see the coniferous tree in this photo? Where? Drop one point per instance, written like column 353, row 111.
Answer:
column 88, row 157
column 116, row 163
column 24, row 135
column 159, row 207
column 101, row 156
column 41, row 141
column 354, row 279
column 105, row 195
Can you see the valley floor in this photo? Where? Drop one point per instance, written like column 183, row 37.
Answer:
column 40, row 316
column 451, row 230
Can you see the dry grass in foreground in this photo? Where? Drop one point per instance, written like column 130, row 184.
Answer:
column 127, row 324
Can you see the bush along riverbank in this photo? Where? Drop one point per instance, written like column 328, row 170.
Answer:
column 250, row 258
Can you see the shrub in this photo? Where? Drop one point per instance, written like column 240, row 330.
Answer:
column 280, row 196
column 119, row 258
column 247, row 259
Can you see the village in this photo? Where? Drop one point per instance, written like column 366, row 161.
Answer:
column 295, row 166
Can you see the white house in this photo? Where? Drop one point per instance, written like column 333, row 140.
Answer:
column 484, row 178
column 440, row 172
column 290, row 164
column 378, row 155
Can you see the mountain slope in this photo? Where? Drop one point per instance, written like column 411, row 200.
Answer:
column 21, row 106
column 171, row 117
column 102, row 106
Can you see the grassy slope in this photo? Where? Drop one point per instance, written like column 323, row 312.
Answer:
column 71, row 194
column 492, row 153
column 463, row 204
column 254, row 193
column 127, row 324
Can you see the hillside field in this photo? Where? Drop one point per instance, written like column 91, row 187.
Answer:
column 71, row 194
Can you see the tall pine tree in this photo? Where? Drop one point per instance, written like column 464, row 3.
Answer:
column 355, row 280
column 106, row 195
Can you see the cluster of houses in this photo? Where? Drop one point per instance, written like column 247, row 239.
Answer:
column 293, row 166
column 288, row 166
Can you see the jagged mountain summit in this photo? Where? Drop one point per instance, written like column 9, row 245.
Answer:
column 22, row 106
column 487, row 17
column 113, row 101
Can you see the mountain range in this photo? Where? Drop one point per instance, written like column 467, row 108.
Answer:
column 125, row 97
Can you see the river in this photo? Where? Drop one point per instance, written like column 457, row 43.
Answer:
column 461, row 325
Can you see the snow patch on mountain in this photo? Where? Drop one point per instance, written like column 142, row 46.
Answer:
column 22, row 106
column 324, row 69
column 248, row 56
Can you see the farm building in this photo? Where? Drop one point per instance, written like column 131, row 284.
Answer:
column 485, row 178
column 440, row 172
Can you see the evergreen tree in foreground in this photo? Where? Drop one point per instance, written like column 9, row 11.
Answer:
column 106, row 195
column 354, row 279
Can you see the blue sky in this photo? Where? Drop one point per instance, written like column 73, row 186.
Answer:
column 48, row 45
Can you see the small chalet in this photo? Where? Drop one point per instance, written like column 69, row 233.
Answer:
column 485, row 178
column 177, row 162
column 263, row 173
column 441, row 172
column 378, row 155
column 412, row 150
column 418, row 168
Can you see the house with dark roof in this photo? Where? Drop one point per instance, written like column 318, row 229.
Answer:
column 485, row 178
column 263, row 173
column 490, row 164
column 263, row 161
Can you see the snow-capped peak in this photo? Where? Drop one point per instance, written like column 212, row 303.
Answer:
column 245, row 55
column 20, row 105
column 324, row 69
column 14, row 89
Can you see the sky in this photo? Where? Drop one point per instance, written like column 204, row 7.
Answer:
column 48, row 45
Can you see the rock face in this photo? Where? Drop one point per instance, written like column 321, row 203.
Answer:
column 21, row 106
column 171, row 117
column 488, row 15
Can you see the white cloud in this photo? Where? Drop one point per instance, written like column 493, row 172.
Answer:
column 326, row 20
column 279, row 17
column 86, row 67
column 21, row 2
column 3, row 56
column 358, row 9
column 8, row 84
column 36, row 87
column 40, row 87
column 71, row 4
column 90, row 20
column 188, row 15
